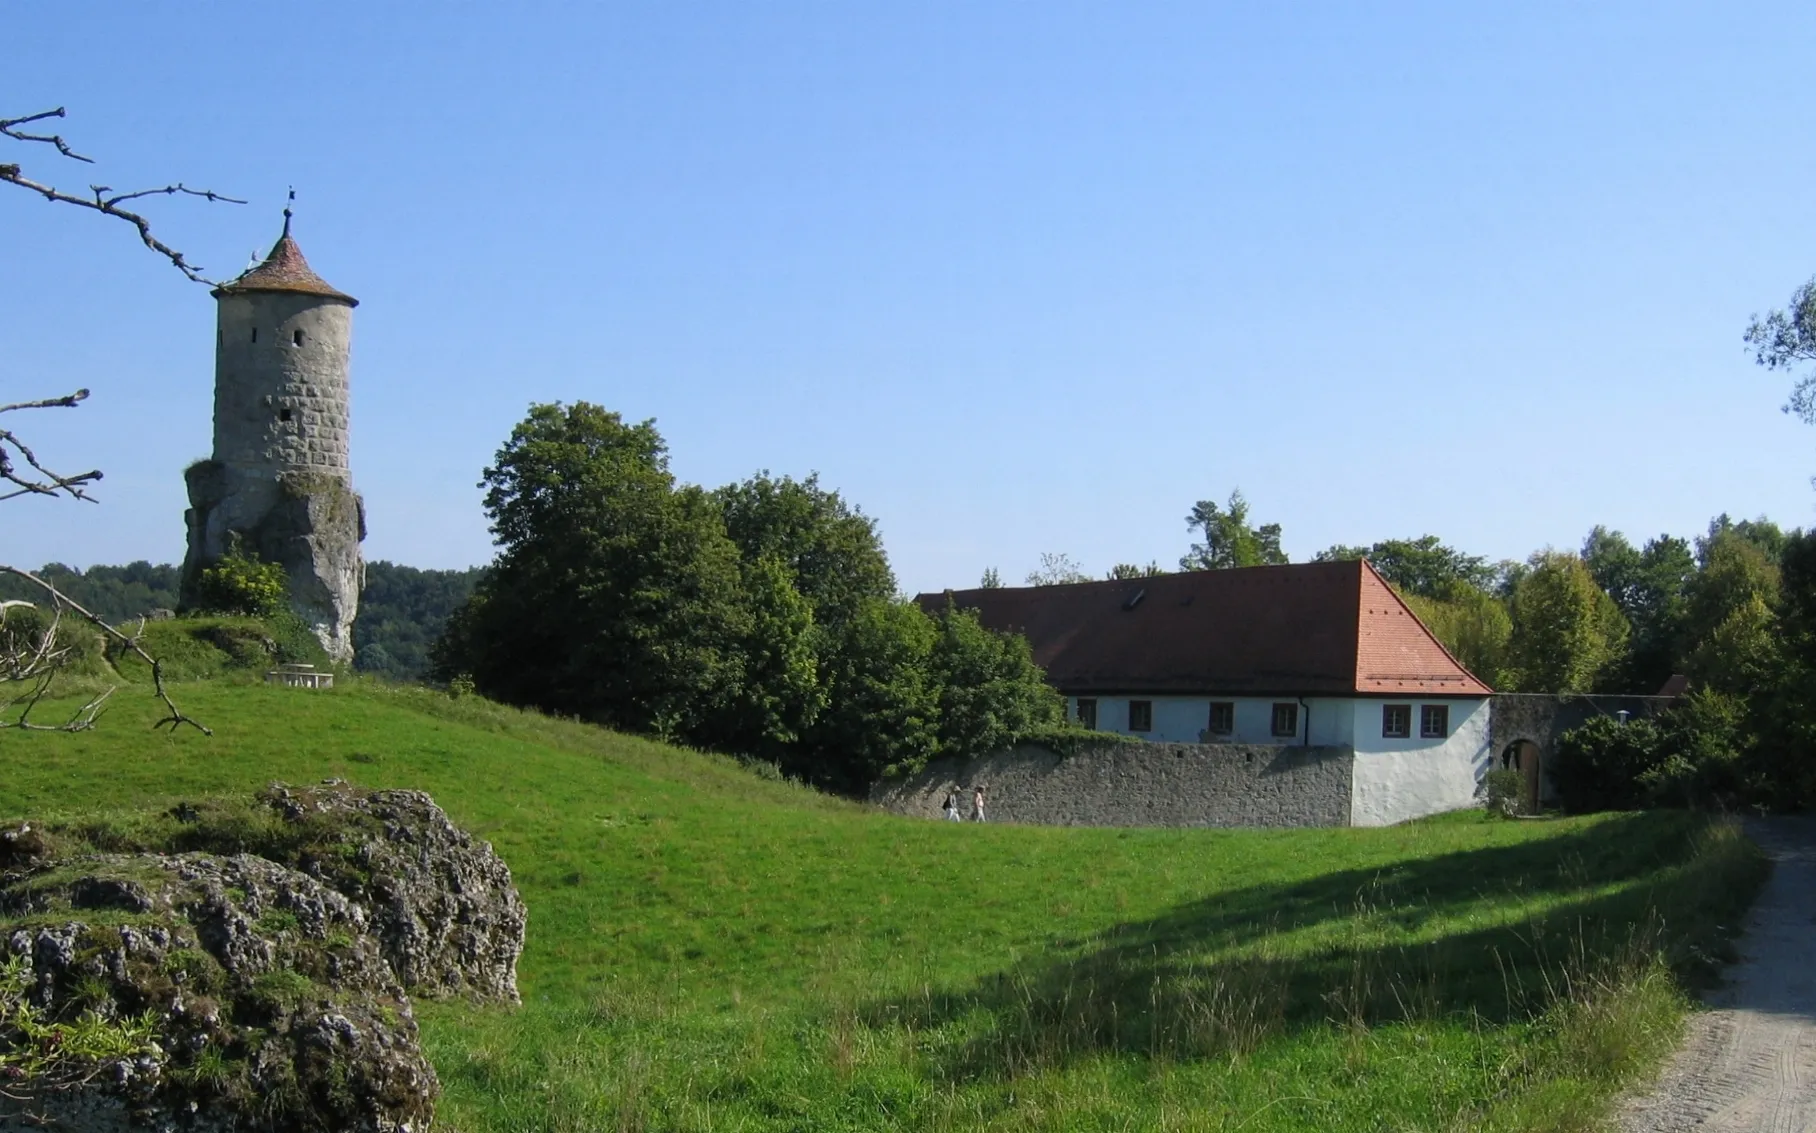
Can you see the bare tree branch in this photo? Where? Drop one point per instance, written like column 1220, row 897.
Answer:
column 10, row 128
column 50, row 483
column 46, row 646
column 99, row 200
column 30, row 664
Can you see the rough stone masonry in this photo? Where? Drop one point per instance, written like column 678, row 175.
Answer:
column 279, row 481
column 1140, row 784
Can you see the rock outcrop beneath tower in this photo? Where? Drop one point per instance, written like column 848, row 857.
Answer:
column 279, row 481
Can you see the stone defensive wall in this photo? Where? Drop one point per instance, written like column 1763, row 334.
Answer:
column 1139, row 784
column 1542, row 717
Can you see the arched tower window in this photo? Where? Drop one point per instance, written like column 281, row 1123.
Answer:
column 297, row 338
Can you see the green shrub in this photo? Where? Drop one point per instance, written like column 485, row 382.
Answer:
column 241, row 584
column 25, row 626
column 1067, row 739
column 1707, row 732
column 1690, row 756
column 1505, row 792
column 83, row 669
column 1599, row 763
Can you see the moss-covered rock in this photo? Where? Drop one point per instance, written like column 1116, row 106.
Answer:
column 243, row 964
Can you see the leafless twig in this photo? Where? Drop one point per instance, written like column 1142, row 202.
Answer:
column 47, row 483
column 31, row 663
column 99, row 199
column 35, row 663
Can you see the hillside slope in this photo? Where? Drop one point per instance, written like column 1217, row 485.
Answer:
column 709, row 949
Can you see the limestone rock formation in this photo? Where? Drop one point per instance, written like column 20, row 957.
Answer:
column 259, row 991
column 215, row 989
column 442, row 904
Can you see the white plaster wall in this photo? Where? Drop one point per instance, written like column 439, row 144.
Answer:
column 1181, row 719
column 1400, row 779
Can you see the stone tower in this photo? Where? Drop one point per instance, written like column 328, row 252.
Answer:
column 279, row 478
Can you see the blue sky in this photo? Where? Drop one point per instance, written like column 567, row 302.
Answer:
column 1013, row 277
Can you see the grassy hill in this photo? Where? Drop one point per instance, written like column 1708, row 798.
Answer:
column 712, row 950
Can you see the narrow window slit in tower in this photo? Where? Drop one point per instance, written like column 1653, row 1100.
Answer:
column 255, row 334
column 297, row 338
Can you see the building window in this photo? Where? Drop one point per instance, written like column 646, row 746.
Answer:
column 1396, row 721
column 1434, row 721
column 1286, row 719
column 255, row 334
column 1141, row 715
column 1223, row 718
column 297, row 338
column 283, row 415
column 1087, row 711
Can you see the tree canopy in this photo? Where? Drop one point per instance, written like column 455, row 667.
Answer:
column 1567, row 635
column 1227, row 538
column 616, row 594
column 1423, row 566
column 402, row 610
column 1056, row 569
column 758, row 619
column 1785, row 340
column 831, row 549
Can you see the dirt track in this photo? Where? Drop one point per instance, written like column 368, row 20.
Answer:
column 1749, row 1063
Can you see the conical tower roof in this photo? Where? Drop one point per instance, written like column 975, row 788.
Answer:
column 284, row 269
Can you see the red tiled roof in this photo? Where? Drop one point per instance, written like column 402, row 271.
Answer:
column 1329, row 629
column 284, row 269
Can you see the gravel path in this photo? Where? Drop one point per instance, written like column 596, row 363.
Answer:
column 1749, row 1062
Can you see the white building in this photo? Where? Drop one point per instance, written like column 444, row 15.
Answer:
column 1316, row 654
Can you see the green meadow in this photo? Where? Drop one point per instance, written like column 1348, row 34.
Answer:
column 713, row 949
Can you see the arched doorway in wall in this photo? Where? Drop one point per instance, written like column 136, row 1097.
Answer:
column 1525, row 757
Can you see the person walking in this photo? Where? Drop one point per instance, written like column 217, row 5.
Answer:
column 977, row 804
column 950, row 806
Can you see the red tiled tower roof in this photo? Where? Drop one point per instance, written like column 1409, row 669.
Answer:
column 284, row 269
column 1327, row 629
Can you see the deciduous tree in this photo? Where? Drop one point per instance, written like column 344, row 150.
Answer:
column 1123, row 571
column 831, row 548
column 1650, row 586
column 1567, row 634
column 616, row 594
column 990, row 691
column 882, row 699
column 1056, row 569
column 1423, row 566
column 1786, row 340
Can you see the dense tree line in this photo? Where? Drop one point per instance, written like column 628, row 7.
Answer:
column 1732, row 611
column 760, row 618
column 113, row 593
column 402, row 611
